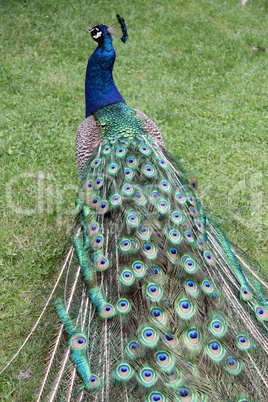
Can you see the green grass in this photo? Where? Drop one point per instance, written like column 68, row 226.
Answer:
column 189, row 65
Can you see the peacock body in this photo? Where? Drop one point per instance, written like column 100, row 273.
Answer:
column 157, row 306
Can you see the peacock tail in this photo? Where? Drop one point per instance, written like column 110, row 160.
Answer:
column 154, row 303
column 157, row 307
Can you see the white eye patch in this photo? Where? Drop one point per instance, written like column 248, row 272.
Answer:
column 97, row 35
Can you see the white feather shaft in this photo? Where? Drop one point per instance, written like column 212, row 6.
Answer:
column 258, row 371
column 249, row 269
column 70, row 390
column 44, row 309
column 53, row 394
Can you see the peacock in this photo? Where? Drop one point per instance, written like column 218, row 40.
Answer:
column 153, row 302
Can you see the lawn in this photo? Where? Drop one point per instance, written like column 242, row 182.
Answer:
column 188, row 64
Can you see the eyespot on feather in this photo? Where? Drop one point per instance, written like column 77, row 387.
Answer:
column 79, row 342
column 127, row 277
column 121, row 152
column 139, row 198
column 174, row 236
column 156, row 396
column 88, row 186
column 102, row 207
column 164, row 360
column 154, row 145
column 191, row 199
column 199, row 225
column 107, row 311
column 147, row 376
column 102, row 263
column 125, row 245
column 116, row 200
column 165, row 186
column 215, row 350
column 167, row 228
column 149, row 337
column 123, row 306
column 132, row 220
column 139, row 269
column 194, row 212
column 171, row 340
column 243, row 342
column 207, row 286
column 129, row 174
column 201, row 244
column 232, row 365
column 172, row 377
column 94, row 381
column 214, row 298
column 261, row 313
column 173, row 254
column 95, row 163
column 135, row 246
column 98, row 183
column 106, row 150
column 97, row 241
column 180, row 198
column 245, row 294
column 185, row 309
column 93, row 229
column 150, row 250
column 154, row 196
column 154, row 292
column 189, row 264
column 159, row 218
column 144, row 232
column 158, row 316
column 191, row 287
column 93, row 202
column 149, row 171
column 132, row 162
column 194, row 183
column 189, row 237
column 177, row 217
column 217, row 327
column 156, row 273
column 185, row 394
column 132, row 349
column 112, row 169
column 145, row 150
column 128, row 189
column 124, row 372
column 193, row 338
column 209, row 257
column 163, row 164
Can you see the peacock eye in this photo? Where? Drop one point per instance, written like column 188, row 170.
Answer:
column 95, row 33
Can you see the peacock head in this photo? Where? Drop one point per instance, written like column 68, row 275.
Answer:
column 98, row 33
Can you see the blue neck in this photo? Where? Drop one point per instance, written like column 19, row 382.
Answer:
column 100, row 88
